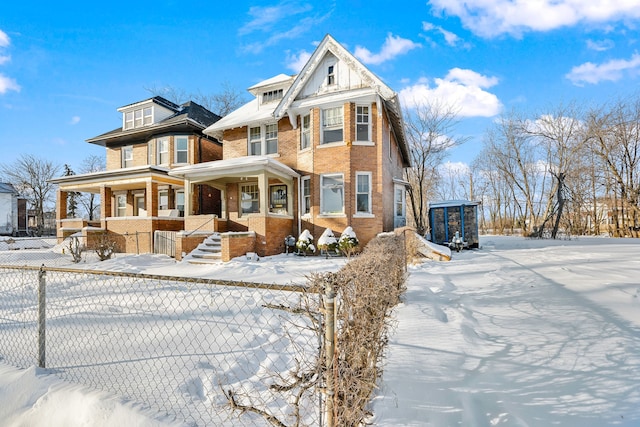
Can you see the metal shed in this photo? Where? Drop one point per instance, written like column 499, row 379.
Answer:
column 447, row 217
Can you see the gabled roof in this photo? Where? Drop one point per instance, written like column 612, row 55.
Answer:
column 187, row 118
column 252, row 113
column 5, row 187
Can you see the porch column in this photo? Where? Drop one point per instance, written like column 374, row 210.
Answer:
column 290, row 197
column 61, row 208
column 152, row 198
column 105, row 205
column 187, row 197
column 263, row 189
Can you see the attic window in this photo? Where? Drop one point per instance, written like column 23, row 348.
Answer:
column 272, row 95
column 138, row 118
column 331, row 76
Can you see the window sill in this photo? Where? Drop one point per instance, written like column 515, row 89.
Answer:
column 305, row 150
column 333, row 144
column 364, row 143
column 364, row 215
column 338, row 215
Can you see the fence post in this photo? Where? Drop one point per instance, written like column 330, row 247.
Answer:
column 42, row 308
column 329, row 335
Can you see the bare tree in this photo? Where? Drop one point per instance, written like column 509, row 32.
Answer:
column 221, row 103
column 30, row 175
column 91, row 201
column 430, row 127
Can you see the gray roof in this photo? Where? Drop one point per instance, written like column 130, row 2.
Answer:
column 5, row 187
column 187, row 117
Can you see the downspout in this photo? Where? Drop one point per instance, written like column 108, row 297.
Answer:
column 299, row 205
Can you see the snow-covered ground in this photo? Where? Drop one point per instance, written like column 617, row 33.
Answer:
column 518, row 333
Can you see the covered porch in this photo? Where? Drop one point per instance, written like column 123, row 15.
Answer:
column 258, row 194
column 134, row 202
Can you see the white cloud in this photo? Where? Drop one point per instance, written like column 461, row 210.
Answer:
column 296, row 62
column 464, row 90
column 393, row 46
column 454, row 168
column 4, row 58
column 74, row 120
column 450, row 38
column 601, row 45
column 612, row 70
column 7, row 84
column 274, row 24
column 490, row 18
column 4, row 39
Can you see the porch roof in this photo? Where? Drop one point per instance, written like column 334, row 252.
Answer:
column 237, row 167
column 125, row 178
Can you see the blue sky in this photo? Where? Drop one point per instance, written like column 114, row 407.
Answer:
column 65, row 67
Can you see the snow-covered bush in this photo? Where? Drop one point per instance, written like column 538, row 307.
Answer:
column 348, row 242
column 328, row 243
column 305, row 242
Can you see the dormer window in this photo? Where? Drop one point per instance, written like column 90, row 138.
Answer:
column 331, row 75
column 138, row 118
column 272, row 95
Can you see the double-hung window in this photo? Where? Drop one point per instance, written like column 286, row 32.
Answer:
column 331, row 75
column 332, row 194
column 181, row 143
column 306, row 195
column 363, row 123
column 163, row 199
column 127, row 156
column 180, row 202
column 363, row 193
column 162, row 146
column 332, row 122
column 128, row 120
column 263, row 140
column 147, row 114
column 305, row 132
column 249, row 199
column 121, row 205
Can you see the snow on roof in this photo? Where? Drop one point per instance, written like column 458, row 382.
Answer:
column 280, row 78
column 239, row 165
column 250, row 113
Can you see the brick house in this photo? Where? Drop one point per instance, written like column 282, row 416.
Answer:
column 323, row 149
column 138, row 195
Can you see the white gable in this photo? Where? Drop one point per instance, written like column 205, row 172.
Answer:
column 331, row 75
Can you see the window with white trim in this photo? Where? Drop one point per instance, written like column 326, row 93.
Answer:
column 363, row 128
column 272, row 95
column 263, row 140
column 332, row 122
column 181, row 148
column 331, row 75
column 138, row 118
column 363, row 192
column 121, row 205
column 332, row 194
column 278, row 199
column 180, row 202
column 249, row 199
column 163, row 199
column 147, row 114
column 306, row 195
column 128, row 120
column 305, row 132
column 162, row 145
column 138, row 208
column 127, row 156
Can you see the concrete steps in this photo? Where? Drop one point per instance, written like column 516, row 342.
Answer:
column 207, row 252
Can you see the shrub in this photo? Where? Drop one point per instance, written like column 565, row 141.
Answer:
column 105, row 247
column 348, row 242
column 305, row 243
column 327, row 243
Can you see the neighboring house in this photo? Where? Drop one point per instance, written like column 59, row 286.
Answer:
column 138, row 196
column 13, row 211
column 323, row 149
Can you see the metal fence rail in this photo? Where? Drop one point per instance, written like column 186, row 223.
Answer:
column 179, row 345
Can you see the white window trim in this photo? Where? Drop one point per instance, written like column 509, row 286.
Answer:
column 322, row 127
column 263, row 140
column 117, row 197
column 331, row 214
column 369, row 130
column 158, row 152
column 175, row 149
column 302, row 196
column 369, row 213
column 302, row 131
column 240, row 188
column 124, row 150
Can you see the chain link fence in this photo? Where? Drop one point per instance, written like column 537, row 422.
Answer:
column 182, row 346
